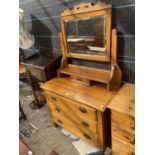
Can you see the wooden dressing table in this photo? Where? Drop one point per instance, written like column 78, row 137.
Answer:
column 78, row 98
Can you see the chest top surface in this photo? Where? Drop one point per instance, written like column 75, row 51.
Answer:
column 124, row 100
column 95, row 96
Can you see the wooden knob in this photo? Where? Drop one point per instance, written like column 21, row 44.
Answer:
column 133, row 127
column 53, row 98
column 131, row 153
column 83, row 110
column 59, row 121
column 132, row 141
column 57, row 109
column 87, row 136
column 85, row 124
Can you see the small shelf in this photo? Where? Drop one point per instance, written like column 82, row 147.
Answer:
column 93, row 74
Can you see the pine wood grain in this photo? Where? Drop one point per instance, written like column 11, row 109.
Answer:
column 99, row 75
column 123, row 121
column 95, row 96
column 73, row 107
column 124, row 136
column 121, row 147
column 77, row 121
column 85, row 135
column 68, row 96
column 124, row 101
column 71, row 112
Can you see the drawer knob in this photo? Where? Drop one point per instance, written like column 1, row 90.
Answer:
column 57, row 109
column 83, row 110
column 85, row 124
column 133, row 127
column 131, row 153
column 87, row 136
column 59, row 121
column 132, row 141
column 53, row 98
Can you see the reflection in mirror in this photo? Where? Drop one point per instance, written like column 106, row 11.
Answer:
column 86, row 36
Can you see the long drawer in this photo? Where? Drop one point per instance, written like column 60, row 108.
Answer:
column 85, row 135
column 124, row 136
column 119, row 146
column 71, row 107
column 123, row 121
column 116, row 151
column 74, row 118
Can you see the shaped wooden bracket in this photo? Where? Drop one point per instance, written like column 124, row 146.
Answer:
column 116, row 73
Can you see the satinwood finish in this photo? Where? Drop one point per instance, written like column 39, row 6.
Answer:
column 123, row 121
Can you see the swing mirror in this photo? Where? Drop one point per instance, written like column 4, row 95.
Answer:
column 86, row 31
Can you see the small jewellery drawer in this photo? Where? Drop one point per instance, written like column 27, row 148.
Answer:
column 75, row 119
column 123, row 121
column 71, row 106
column 119, row 146
column 123, row 136
column 93, row 139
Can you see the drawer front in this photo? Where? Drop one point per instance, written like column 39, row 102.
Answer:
column 75, row 119
column 80, row 80
column 119, row 146
column 116, row 151
column 122, row 135
column 71, row 107
column 92, row 139
column 123, row 121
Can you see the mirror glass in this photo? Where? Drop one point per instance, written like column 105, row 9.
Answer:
column 86, row 36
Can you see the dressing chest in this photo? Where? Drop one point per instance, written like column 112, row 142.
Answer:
column 80, row 108
column 79, row 96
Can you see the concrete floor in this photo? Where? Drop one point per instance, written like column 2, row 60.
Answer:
column 47, row 138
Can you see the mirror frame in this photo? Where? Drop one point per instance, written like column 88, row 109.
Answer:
column 86, row 10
